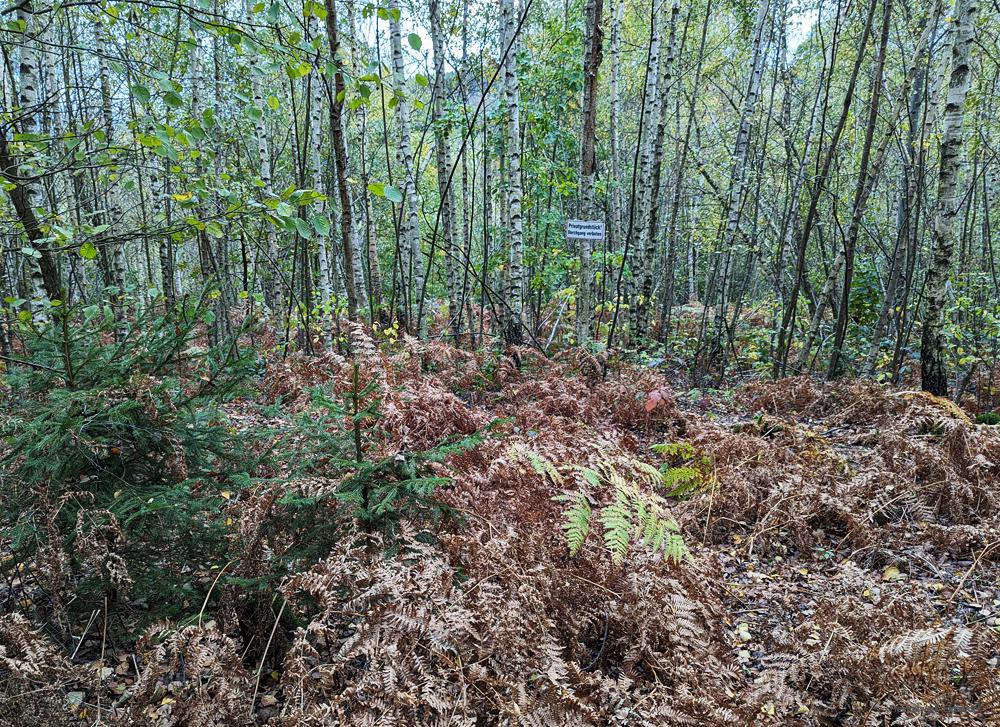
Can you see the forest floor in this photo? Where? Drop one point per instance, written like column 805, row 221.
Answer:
column 843, row 565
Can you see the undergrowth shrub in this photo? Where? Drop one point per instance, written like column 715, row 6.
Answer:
column 191, row 676
column 110, row 458
column 685, row 471
column 354, row 435
column 335, row 471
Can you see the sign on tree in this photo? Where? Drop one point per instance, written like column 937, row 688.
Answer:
column 584, row 229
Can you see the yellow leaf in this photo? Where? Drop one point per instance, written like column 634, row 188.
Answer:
column 891, row 573
column 226, row 494
column 182, row 196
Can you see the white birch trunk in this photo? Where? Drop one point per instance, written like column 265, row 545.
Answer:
column 269, row 263
column 513, row 333
column 414, row 268
column 28, row 102
column 934, row 375
column 442, row 155
column 113, row 210
column 643, row 303
column 737, row 177
column 316, row 170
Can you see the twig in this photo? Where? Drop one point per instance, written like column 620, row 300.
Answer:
column 972, row 567
column 30, row 364
column 93, row 615
column 267, row 646
column 711, row 502
column 212, row 588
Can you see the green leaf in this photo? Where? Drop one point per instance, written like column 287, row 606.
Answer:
column 415, row 41
column 171, row 99
column 303, row 228
column 88, row 251
column 322, row 224
column 213, row 229
column 392, row 194
column 421, row 79
column 141, row 93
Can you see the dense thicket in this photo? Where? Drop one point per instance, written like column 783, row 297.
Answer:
column 785, row 186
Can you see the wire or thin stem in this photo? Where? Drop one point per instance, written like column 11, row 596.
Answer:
column 260, row 667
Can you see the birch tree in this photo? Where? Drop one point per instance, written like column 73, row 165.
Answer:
column 442, row 158
column 515, row 234
column 413, row 267
column 934, row 370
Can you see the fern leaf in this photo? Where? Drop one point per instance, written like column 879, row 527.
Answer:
column 577, row 523
column 617, row 526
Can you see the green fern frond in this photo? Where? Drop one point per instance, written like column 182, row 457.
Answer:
column 681, row 481
column 674, row 548
column 675, row 450
column 577, row 523
column 617, row 522
column 653, row 475
column 635, row 512
column 538, row 463
column 591, row 477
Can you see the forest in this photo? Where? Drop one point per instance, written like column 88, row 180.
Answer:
column 517, row 363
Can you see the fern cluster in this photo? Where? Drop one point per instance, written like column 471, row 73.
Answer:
column 635, row 513
column 684, row 472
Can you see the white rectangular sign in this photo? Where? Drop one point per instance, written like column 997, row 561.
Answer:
column 584, row 229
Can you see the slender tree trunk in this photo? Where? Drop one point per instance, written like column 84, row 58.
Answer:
column 316, row 171
column 266, row 264
column 868, row 176
column 442, row 157
column 934, row 374
column 592, row 56
column 785, row 331
column 647, row 143
column 112, row 206
column 44, row 278
column 413, row 266
column 513, row 334
column 738, row 172
column 340, row 157
column 643, row 303
column 616, row 230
